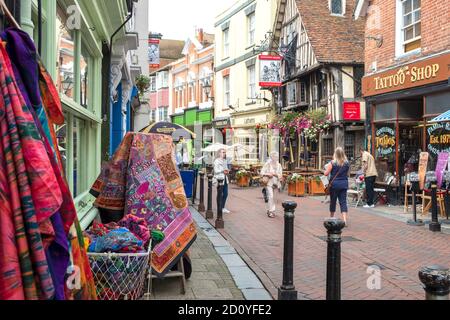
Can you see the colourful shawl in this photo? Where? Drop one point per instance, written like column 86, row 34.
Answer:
column 54, row 229
column 142, row 180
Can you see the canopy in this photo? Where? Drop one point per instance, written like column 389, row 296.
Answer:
column 171, row 129
column 445, row 117
column 215, row 147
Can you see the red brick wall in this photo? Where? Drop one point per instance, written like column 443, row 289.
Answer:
column 435, row 25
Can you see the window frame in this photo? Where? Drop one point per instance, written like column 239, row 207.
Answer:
column 226, row 92
column 330, row 6
column 251, row 29
column 251, row 82
column 226, row 43
column 400, row 42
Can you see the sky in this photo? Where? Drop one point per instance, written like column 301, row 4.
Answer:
column 177, row 19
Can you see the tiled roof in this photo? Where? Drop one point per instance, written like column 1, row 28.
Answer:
column 333, row 38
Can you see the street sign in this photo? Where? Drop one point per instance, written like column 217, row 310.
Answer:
column 352, row 111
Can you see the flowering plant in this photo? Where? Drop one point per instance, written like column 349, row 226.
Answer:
column 294, row 178
column 242, row 173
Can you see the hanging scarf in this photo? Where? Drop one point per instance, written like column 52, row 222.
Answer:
column 142, row 180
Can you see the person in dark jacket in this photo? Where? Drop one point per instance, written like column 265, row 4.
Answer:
column 338, row 170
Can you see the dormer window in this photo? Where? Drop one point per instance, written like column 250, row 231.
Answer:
column 337, row 7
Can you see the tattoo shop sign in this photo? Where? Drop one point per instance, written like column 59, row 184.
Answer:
column 439, row 138
column 385, row 141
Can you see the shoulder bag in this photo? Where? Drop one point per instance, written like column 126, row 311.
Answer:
column 328, row 187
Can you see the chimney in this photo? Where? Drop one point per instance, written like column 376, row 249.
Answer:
column 200, row 35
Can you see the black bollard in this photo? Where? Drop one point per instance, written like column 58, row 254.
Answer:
column 447, row 207
column 194, row 187
column 435, row 226
column 219, row 219
column 201, row 205
column 436, row 280
column 209, row 213
column 287, row 290
column 415, row 189
column 334, row 228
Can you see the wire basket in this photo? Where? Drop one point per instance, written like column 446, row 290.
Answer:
column 120, row 276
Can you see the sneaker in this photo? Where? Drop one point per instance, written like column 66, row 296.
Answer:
column 224, row 210
column 367, row 206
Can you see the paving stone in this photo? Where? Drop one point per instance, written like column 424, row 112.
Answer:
column 233, row 260
column 225, row 250
column 256, row 294
column 245, row 278
column 212, row 294
column 219, row 242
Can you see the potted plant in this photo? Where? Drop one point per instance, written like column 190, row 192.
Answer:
column 243, row 178
column 296, row 185
column 316, row 186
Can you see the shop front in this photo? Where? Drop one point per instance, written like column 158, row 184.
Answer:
column 401, row 102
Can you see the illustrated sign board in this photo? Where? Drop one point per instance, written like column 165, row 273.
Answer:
column 385, row 141
column 153, row 53
column 408, row 76
column 439, row 138
column 440, row 167
column 352, row 111
column 270, row 67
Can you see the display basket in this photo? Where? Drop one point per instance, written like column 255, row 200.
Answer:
column 120, row 276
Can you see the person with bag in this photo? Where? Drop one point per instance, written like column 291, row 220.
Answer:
column 338, row 171
column 221, row 171
column 272, row 174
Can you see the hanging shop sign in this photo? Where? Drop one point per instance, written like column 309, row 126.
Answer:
column 153, row 53
column 269, row 67
column 411, row 75
column 439, row 138
column 385, row 141
column 352, row 111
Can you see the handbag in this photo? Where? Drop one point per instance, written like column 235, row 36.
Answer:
column 328, row 187
column 265, row 180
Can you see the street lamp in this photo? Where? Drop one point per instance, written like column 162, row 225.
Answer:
column 67, row 83
column 207, row 87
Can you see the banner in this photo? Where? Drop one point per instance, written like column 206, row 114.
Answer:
column 153, row 53
column 423, row 162
column 440, row 167
column 269, row 71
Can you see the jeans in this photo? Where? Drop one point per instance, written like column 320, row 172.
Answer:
column 370, row 184
column 225, row 194
column 340, row 194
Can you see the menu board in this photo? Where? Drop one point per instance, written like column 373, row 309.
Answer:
column 423, row 162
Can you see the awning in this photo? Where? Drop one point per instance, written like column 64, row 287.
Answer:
column 445, row 117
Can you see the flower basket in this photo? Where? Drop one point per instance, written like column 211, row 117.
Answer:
column 316, row 186
column 243, row 181
column 296, row 185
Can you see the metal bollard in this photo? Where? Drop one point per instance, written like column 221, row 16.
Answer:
column 201, row 205
column 414, row 178
column 436, row 280
column 209, row 213
column 287, row 290
column 447, row 198
column 334, row 228
column 219, row 219
column 194, row 188
column 435, row 226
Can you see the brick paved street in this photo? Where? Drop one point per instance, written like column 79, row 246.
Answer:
column 399, row 250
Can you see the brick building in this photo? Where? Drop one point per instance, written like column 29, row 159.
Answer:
column 406, row 83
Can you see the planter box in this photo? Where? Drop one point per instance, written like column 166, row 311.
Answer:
column 243, row 181
column 297, row 188
column 316, row 187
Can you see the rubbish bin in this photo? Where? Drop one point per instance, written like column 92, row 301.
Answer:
column 188, row 176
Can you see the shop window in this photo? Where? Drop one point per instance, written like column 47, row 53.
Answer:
column 386, row 111
column 437, row 103
column 410, row 109
column 303, row 96
column 292, row 93
column 66, row 62
column 84, row 77
column 349, row 145
column 385, row 149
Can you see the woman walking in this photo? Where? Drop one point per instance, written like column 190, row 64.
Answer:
column 273, row 173
column 221, row 172
column 338, row 175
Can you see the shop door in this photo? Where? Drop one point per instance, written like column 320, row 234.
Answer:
column 410, row 146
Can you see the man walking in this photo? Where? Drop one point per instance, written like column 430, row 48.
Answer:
column 370, row 175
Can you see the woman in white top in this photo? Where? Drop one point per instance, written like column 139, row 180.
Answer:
column 221, row 172
column 274, row 172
